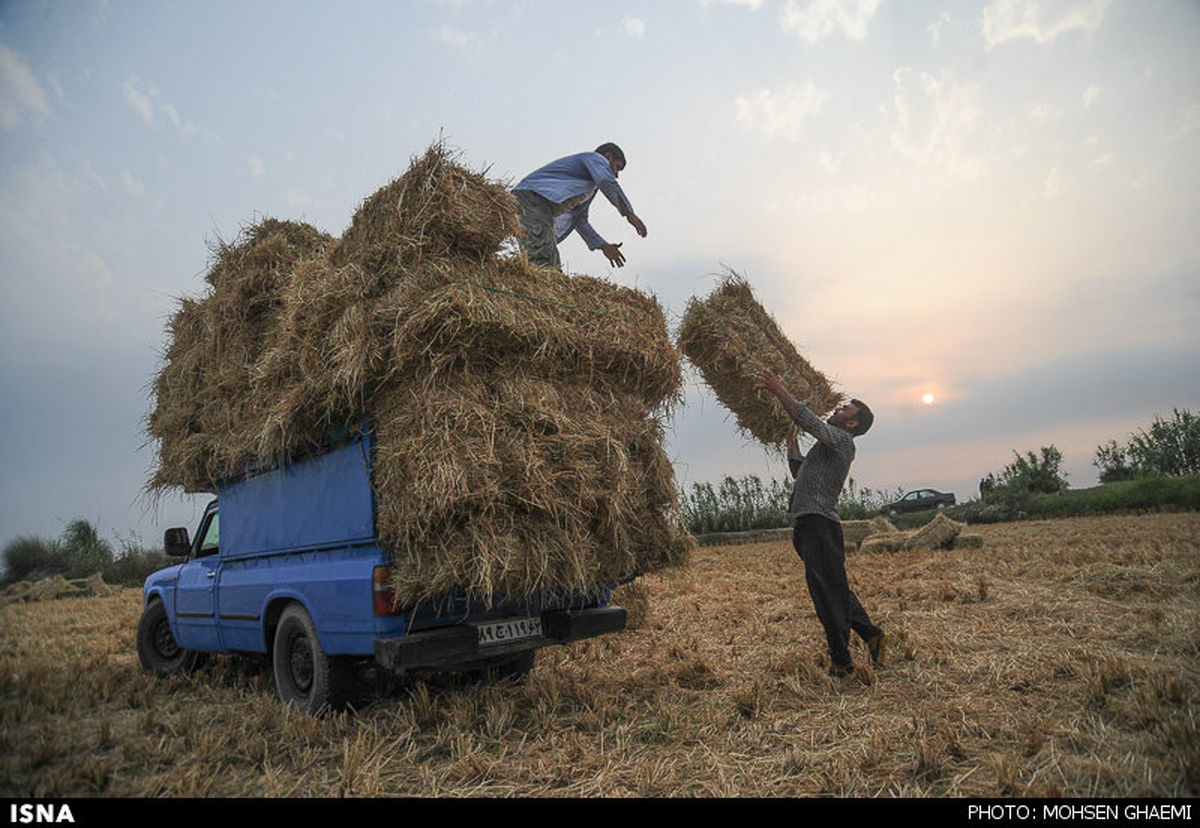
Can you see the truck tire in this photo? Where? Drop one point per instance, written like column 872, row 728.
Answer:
column 156, row 645
column 305, row 676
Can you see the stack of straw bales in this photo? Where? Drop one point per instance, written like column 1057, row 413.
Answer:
column 730, row 338
column 516, row 409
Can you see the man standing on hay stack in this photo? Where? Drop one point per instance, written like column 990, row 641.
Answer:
column 817, row 529
column 553, row 201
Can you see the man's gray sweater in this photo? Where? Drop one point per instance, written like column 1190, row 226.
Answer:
column 823, row 470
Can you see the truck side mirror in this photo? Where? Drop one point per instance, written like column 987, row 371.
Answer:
column 176, row 542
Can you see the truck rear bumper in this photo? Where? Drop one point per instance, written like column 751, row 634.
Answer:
column 459, row 644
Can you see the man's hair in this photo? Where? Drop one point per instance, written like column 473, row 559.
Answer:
column 864, row 418
column 612, row 149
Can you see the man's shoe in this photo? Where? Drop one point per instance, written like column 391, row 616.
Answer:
column 877, row 646
column 841, row 670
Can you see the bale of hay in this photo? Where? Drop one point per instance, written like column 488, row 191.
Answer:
column 939, row 533
column 853, row 531
column 884, row 542
column 729, row 337
column 879, row 524
column 968, row 542
column 436, row 210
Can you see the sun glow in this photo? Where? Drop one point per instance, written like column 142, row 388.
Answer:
column 927, row 399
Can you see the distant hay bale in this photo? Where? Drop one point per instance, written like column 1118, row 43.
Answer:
column 884, row 542
column 853, row 531
column 436, row 210
column 939, row 533
column 968, row 542
column 880, row 524
column 729, row 337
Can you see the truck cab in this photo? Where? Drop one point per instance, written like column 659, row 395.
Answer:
column 286, row 563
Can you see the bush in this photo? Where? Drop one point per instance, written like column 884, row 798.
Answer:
column 28, row 557
column 737, row 505
column 856, row 503
column 86, row 551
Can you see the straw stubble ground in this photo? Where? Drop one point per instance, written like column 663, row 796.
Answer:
column 1060, row 659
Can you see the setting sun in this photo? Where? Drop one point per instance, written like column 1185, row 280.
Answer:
column 927, row 399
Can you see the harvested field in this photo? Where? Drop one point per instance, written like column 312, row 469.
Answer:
column 1060, row 659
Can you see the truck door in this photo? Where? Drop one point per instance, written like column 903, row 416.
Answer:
column 196, row 590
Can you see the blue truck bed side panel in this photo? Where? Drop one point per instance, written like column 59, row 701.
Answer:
column 321, row 501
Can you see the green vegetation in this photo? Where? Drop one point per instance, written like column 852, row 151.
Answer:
column 1170, row 448
column 78, row 553
column 736, row 505
column 746, row 503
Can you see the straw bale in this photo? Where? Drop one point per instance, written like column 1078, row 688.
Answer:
column 437, row 209
column 939, row 533
column 880, row 524
column 577, row 327
column 885, row 542
column 853, row 531
column 729, row 337
column 510, row 483
column 968, row 542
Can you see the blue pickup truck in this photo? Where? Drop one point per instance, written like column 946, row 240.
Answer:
column 287, row 563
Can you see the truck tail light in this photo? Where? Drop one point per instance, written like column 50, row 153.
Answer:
column 385, row 599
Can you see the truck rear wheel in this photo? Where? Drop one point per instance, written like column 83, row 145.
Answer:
column 157, row 648
column 305, row 676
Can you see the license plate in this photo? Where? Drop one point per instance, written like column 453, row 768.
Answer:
column 509, row 630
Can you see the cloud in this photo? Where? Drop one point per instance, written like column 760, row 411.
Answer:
column 934, row 118
column 935, row 28
column 257, row 168
column 779, row 112
column 132, row 185
column 142, row 101
column 1042, row 112
column 1051, row 189
column 634, row 27
column 1040, row 20
column 456, row 37
column 1090, row 95
column 19, row 90
column 1189, row 119
column 820, row 19
column 753, row 5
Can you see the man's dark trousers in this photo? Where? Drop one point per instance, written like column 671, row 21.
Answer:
column 818, row 541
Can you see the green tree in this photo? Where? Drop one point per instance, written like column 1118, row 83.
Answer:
column 1112, row 460
column 1033, row 473
column 1170, row 447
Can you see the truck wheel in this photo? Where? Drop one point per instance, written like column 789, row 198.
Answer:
column 156, row 646
column 305, row 676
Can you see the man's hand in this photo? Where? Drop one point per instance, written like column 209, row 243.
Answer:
column 638, row 224
column 614, row 254
column 770, row 381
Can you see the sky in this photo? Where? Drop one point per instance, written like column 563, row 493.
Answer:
column 993, row 203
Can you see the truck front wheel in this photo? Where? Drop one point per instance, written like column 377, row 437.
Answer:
column 156, row 646
column 305, row 676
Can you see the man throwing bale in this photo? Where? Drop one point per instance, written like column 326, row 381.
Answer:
column 553, row 201
column 817, row 529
